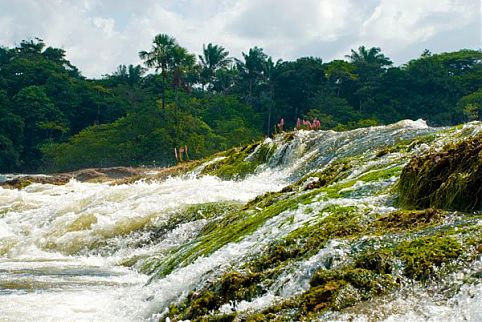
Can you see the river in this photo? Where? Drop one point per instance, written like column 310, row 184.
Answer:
column 78, row 252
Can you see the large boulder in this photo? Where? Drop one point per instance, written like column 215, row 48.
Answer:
column 447, row 179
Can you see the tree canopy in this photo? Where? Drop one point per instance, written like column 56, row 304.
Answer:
column 52, row 118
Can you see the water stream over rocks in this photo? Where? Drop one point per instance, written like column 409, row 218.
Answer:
column 152, row 250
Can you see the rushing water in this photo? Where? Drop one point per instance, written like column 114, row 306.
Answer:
column 62, row 247
column 38, row 276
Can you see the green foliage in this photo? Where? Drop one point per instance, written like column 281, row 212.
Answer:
column 471, row 106
column 46, row 105
column 136, row 138
column 11, row 135
column 230, row 118
column 43, row 122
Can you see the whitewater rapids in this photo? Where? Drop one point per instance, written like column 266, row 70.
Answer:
column 63, row 248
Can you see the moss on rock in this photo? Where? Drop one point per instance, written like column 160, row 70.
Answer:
column 339, row 288
column 332, row 173
column 449, row 179
column 420, row 256
column 240, row 162
column 406, row 220
column 230, row 288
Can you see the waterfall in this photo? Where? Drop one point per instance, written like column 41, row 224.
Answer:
column 131, row 252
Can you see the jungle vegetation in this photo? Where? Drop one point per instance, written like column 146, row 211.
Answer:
column 52, row 118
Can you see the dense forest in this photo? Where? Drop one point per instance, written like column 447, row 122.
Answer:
column 54, row 119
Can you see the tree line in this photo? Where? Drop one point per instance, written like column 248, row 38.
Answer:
column 54, row 119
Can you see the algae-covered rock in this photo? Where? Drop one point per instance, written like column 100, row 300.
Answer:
column 231, row 287
column 407, row 219
column 449, row 179
column 240, row 162
column 22, row 182
column 422, row 255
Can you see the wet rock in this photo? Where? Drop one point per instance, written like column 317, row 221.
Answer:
column 103, row 174
column 22, row 182
column 113, row 175
column 448, row 179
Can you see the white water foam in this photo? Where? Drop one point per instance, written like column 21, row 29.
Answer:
column 51, row 269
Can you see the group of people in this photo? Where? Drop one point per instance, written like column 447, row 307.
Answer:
column 300, row 125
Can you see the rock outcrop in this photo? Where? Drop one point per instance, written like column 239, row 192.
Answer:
column 448, row 179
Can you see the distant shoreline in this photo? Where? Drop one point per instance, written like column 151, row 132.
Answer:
column 111, row 175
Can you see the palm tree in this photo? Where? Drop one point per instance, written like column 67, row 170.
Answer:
column 182, row 61
column 130, row 75
column 213, row 58
column 372, row 56
column 370, row 65
column 252, row 68
column 160, row 57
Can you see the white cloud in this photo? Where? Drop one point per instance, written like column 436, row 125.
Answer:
column 411, row 21
column 106, row 25
column 99, row 35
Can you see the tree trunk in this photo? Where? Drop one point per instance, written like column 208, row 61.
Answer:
column 163, row 94
column 270, row 109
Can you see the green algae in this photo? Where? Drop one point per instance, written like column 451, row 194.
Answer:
column 331, row 289
column 381, row 261
column 337, row 222
column 448, row 179
column 188, row 214
column 411, row 245
column 420, row 256
column 266, row 200
column 406, row 145
column 381, row 174
column 407, row 220
column 335, row 171
column 231, row 287
column 240, row 162
column 347, row 222
column 231, row 227
column 192, row 213
column 372, row 273
column 366, row 282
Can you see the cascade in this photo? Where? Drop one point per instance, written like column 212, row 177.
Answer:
column 304, row 224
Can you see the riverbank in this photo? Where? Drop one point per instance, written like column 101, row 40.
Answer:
column 111, row 175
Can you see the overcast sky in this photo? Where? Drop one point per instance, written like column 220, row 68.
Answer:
column 99, row 35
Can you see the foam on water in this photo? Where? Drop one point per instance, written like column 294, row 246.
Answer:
column 42, row 224
column 61, row 247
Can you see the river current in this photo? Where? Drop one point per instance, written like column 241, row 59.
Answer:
column 64, row 249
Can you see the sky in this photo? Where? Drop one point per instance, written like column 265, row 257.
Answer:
column 99, row 35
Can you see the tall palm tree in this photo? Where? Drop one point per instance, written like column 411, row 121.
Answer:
column 372, row 56
column 160, row 57
column 370, row 65
column 213, row 58
column 252, row 68
column 182, row 62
